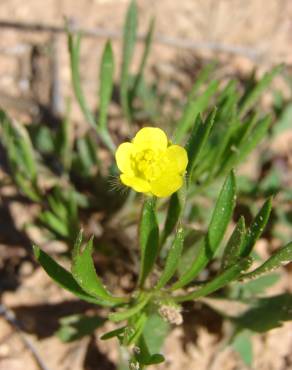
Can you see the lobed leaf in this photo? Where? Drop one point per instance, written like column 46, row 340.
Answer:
column 84, row 273
column 64, row 278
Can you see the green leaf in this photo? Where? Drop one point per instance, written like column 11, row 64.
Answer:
column 246, row 146
column 27, row 188
column 197, row 141
column 282, row 256
column 233, row 246
column 172, row 259
column 266, row 313
column 74, row 50
column 42, row 138
column 251, row 98
column 155, row 331
column 256, row 228
column 175, row 208
column 84, row 273
column 144, row 356
column 63, row 140
column 54, row 223
column 126, row 314
column 242, row 344
column 87, row 154
column 220, row 219
column 63, row 277
column 227, row 276
column 148, row 42
column 149, row 238
column 202, row 78
column 114, row 333
column 193, row 108
column 135, row 329
column 75, row 327
column 106, row 76
column 19, row 148
column 129, row 39
column 257, row 286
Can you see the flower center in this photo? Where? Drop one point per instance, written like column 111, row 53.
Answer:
column 148, row 164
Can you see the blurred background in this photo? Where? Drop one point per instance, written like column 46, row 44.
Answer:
column 244, row 36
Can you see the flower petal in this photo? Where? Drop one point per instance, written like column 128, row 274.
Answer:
column 166, row 185
column 139, row 185
column 178, row 158
column 123, row 159
column 150, row 138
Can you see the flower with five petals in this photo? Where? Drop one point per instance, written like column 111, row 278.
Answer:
column 150, row 164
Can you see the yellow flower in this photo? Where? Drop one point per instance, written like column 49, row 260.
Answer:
column 150, row 165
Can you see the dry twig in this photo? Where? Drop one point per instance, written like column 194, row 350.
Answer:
column 175, row 42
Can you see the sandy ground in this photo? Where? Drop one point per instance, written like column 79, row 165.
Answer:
column 262, row 27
